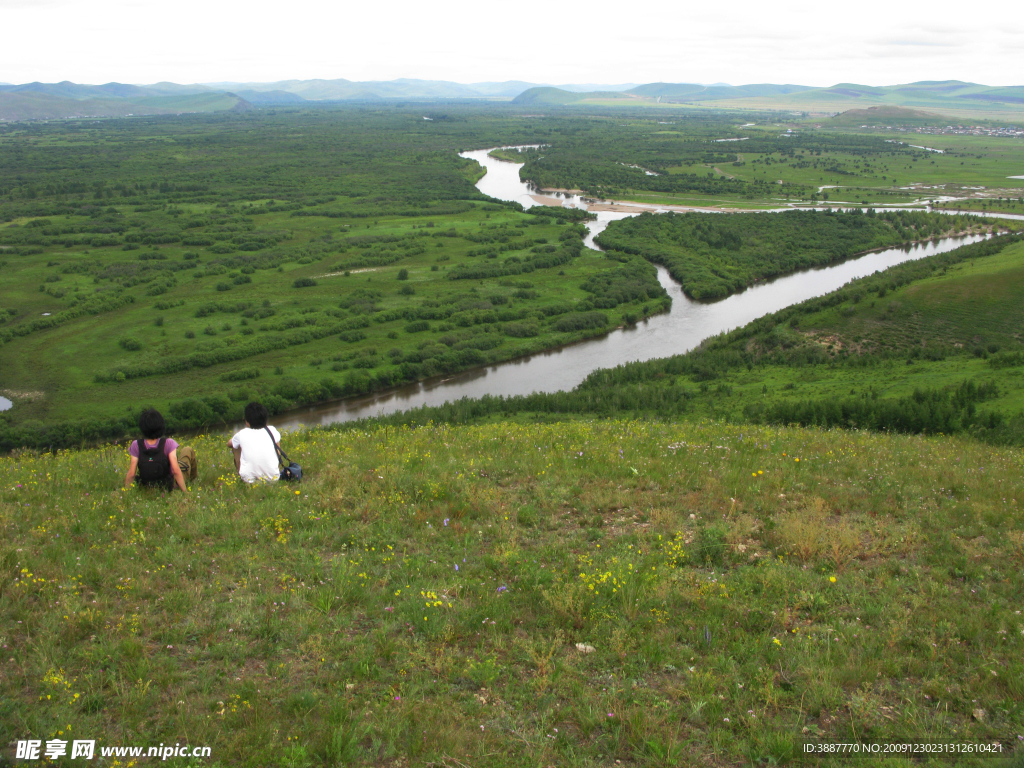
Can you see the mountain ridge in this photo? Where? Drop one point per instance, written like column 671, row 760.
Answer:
column 37, row 100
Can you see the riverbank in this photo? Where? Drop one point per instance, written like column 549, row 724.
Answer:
column 683, row 328
column 315, row 339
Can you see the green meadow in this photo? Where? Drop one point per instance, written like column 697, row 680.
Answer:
column 965, row 162
column 196, row 264
column 773, row 162
column 576, row 593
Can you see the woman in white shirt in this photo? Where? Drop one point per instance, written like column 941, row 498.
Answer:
column 255, row 447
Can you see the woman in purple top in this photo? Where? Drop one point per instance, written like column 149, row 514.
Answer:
column 156, row 460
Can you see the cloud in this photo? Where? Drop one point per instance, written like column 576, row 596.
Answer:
column 32, row 4
column 805, row 42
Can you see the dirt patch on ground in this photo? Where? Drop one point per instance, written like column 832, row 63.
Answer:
column 16, row 395
column 546, row 201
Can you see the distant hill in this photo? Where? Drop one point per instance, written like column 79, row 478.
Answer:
column 197, row 102
column 405, row 88
column 547, row 95
column 69, row 90
column 33, row 105
column 951, row 98
column 885, row 115
column 269, row 98
column 933, row 99
column 347, row 90
column 692, row 92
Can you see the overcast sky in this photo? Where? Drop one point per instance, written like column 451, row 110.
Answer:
column 187, row 41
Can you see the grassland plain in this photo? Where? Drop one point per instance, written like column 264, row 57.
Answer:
column 775, row 161
column 568, row 594
column 200, row 262
column 195, row 263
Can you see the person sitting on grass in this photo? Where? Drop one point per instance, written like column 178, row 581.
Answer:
column 255, row 447
column 157, row 458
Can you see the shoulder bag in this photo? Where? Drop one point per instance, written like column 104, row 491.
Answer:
column 291, row 470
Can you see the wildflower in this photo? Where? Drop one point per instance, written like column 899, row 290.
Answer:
column 725, row 719
column 832, row 579
column 776, row 641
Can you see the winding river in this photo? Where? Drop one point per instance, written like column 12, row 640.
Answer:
column 679, row 330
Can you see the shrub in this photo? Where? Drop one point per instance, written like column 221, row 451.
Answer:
column 304, row 282
column 132, row 345
column 403, row 274
column 223, row 286
column 417, row 326
column 522, row 330
column 581, row 321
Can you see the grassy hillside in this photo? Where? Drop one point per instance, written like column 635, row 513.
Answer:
column 951, row 97
column 885, row 116
column 565, row 594
column 547, row 95
column 40, row 106
column 201, row 102
column 31, row 105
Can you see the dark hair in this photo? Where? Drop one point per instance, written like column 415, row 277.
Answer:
column 151, row 423
column 256, row 414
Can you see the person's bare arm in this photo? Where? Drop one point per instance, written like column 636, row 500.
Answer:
column 238, row 459
column 176, row 470
column 130, row 477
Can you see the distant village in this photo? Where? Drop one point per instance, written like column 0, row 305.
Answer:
column 962, row 130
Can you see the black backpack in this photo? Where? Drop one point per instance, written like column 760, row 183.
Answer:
column 154, row 466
